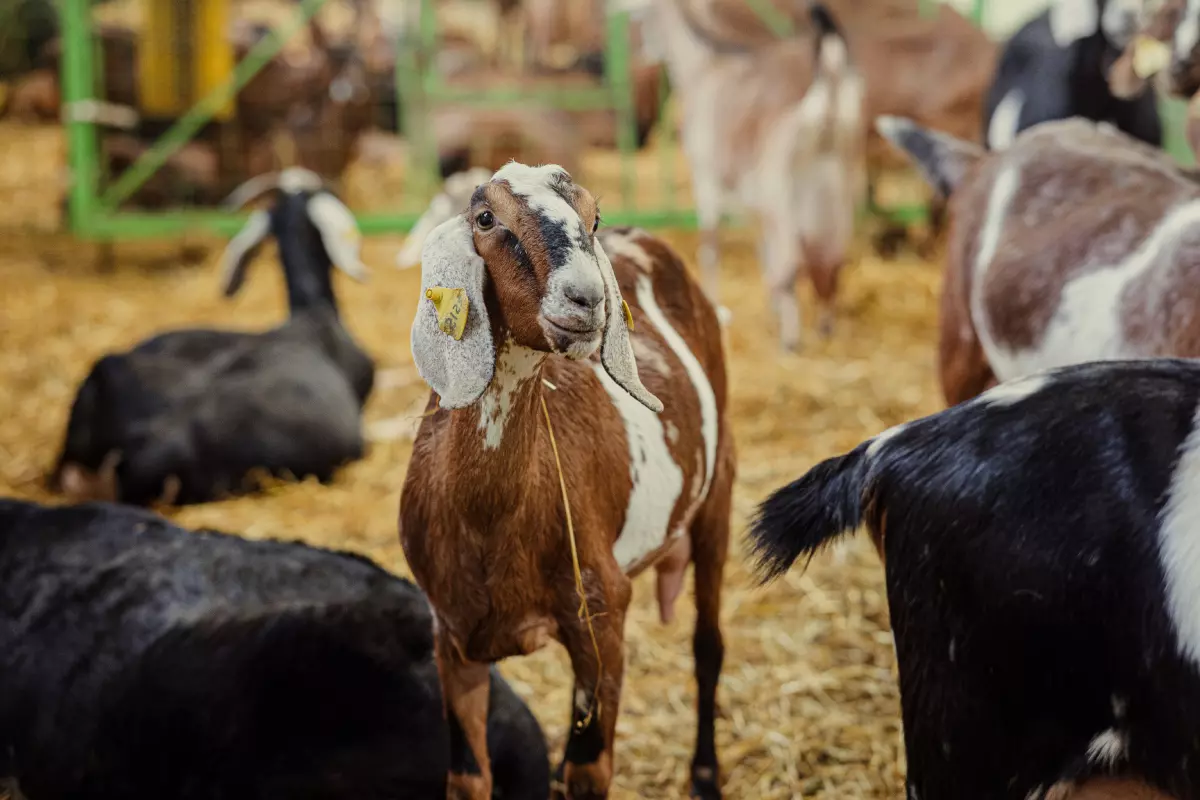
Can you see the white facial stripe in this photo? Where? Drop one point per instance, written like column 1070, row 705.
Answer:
column 1188, row 32
column 580, row 270
column 699, row 378
column 657, row 479
column 1072, row 20
column 1006, row 119
column 515, row 366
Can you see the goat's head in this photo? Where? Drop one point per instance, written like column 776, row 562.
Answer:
column 302, row 200
column 1165, row 52
column 521, row 262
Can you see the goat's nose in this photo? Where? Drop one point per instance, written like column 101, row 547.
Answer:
column 586, row 297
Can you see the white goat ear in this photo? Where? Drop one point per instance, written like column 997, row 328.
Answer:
column 616, row 351
column 339, row 233
column 456, row 357
column 241, row 251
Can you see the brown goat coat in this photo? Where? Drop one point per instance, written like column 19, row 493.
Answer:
column 1084, row 199
column 484, row 529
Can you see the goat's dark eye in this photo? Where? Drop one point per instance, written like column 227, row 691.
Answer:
column 596, row 224
column 485, row 220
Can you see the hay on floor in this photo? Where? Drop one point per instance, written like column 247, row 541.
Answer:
column 808, row 698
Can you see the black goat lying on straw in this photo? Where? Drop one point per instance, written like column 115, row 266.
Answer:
column 187, row 416
column 142, row 660
column 1042, row 550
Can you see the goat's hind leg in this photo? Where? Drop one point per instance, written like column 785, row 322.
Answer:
column 465, row 686
column 710, row 547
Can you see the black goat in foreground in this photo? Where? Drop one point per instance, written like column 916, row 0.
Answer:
column 187, row 416
column 140, row 660
column 1041, row 545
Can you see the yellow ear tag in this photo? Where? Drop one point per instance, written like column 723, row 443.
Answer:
column 451, row 306
column 628, row 315
column 1150, row 56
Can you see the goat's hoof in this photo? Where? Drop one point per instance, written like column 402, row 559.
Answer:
column 704, row 784
column 724, row 315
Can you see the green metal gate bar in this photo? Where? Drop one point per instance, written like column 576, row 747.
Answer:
column 95, row 215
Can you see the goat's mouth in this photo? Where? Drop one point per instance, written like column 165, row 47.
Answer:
column 573, row 338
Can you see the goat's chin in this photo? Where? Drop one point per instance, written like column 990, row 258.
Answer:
column 576, row 346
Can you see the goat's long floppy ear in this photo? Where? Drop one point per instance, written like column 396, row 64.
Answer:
column 339, row 233
column 455, row 356
column 241, row 251
column 616, row 351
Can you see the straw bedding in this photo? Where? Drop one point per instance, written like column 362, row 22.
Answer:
column 809, row 701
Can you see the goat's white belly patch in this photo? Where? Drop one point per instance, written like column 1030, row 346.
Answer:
column 657, row 479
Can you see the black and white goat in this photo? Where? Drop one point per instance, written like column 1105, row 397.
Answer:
column 1042, row 552
column 142, row 660
column 187, row 416
column 1056, row 67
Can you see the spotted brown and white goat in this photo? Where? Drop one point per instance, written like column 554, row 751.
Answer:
column 777, row 130
column 1076, row 243
column 1040, row 545
column 541, row 386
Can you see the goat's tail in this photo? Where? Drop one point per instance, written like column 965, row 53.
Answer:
column 810, row 512
column 832, row 53
column 943, row 159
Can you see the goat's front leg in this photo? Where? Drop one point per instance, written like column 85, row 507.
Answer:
column 588, row 764
column 465, row 687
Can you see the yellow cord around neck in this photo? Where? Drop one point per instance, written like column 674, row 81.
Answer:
column 583, row 612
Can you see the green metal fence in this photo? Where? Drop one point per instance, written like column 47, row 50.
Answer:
column 93, row 207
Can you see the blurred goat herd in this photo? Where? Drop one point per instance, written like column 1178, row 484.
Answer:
column 1039, row 537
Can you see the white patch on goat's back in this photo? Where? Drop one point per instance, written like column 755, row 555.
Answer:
column 1006, row 119
column 515, row 365
column 881, row 439
column 699, row 378
column 657, row 479
column 1014, row 391
column 1087, row 324
column 1107, row 748
column 1179, row 545
column 625, row 244
column 1072, row 20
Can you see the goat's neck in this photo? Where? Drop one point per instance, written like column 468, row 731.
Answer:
column 307, row 273
column 500, row 440
column 685, row 54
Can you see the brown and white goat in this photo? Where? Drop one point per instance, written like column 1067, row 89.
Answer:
column 777, row 130
column 482, row 515
column 1076, row 243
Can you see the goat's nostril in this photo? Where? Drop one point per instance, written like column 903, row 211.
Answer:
column 585, row 297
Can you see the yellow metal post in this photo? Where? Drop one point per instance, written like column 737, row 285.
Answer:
column 184, row 53
column 212, row 52
column 158, row 65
